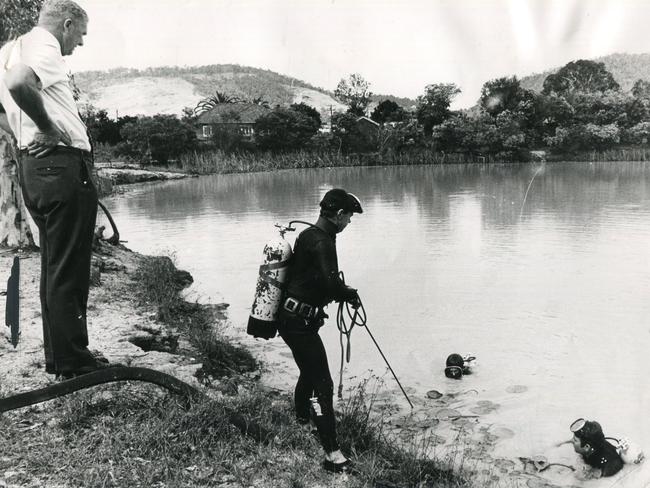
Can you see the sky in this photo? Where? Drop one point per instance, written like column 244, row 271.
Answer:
column 399, row 46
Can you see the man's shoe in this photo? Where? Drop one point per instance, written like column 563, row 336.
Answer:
column 89, row 368
column 98, row 356
column 345, row 467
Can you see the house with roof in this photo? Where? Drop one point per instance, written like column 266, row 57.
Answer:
column 233, row 116
column 368, row 127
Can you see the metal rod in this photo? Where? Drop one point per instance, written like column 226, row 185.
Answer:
column 389, row 367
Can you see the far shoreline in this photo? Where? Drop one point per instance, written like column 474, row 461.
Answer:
column 218, row 162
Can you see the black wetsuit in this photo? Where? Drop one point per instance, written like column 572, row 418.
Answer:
column 313, row 280
column 606, row 459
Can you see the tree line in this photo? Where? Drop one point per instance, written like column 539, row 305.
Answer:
column 581, row 107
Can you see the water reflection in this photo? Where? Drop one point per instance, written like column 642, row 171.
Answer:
column 576, row 192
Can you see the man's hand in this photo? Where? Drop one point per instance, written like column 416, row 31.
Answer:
column 25, row 88
column 355, row 302
column 354, row 299
column 45, row 142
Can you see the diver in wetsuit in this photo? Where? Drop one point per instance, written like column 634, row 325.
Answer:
column 589, row 441
column 313, row 282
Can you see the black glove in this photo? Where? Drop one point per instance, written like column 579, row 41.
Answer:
column 354, row 299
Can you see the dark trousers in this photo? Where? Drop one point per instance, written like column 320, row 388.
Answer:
column 314, row 380
column 62, row 200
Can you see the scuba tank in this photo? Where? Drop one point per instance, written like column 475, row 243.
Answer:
column 629, row 452
column 270, row 284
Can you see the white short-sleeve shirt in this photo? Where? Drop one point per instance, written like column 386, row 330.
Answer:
column 40, row 50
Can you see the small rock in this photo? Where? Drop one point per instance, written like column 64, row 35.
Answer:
column 163, row 342
column 113, row 265
column 152, row 328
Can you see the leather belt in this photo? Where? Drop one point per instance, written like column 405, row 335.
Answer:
column 299, row 308
column 74, row 150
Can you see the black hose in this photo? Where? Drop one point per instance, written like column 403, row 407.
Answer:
column 122, row 373
column 105, row 375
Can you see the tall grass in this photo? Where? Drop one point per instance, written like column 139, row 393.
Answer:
column 158, row 283
column 217, row 161
column 616, row 154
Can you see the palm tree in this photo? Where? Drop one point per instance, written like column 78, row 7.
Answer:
column 212, row 101
column 260, row 101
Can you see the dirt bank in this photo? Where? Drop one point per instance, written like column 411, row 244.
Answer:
column 114, row 319
column 126, row 175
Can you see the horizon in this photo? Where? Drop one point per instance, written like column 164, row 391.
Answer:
column 398, row 46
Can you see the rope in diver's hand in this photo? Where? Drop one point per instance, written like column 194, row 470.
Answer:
column 347, row 317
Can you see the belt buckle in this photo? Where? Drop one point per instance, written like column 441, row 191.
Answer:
column 291, row 305
column 306, row 310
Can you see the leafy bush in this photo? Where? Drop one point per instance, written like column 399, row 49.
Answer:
column 285, row 128
column 158, row 138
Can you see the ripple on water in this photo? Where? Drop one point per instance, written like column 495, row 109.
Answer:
column 484, row 407
column 503, row 432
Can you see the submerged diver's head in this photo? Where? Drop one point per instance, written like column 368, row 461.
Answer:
column 454, row 366
column 587, row 436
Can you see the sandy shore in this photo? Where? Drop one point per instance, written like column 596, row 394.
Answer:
column 127, row 175
column 113, row 319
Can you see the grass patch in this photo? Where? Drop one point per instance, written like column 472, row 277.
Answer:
column 158, row 283
column 139, row 436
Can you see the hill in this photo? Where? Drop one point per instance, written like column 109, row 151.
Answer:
column 125, row 91
column 626, row 69
column 168, row 90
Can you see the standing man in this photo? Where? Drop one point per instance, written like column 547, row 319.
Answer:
column 55, row 154
column 313, row 282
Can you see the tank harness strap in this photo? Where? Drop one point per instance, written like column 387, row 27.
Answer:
column 272, row 281
column 274, row 266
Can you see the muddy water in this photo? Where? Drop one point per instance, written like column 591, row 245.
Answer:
column 550, row 294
